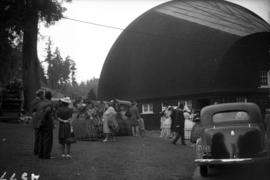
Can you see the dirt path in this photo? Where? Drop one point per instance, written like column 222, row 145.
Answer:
column 130, row 158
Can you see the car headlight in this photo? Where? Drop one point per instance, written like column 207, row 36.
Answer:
column 201, row 149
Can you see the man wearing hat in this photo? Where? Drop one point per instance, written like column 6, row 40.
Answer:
column 179, row 124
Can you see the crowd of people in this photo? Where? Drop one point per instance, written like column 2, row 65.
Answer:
column 88, row 121
column 172, row 122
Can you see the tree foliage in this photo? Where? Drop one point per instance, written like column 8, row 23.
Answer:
column 61, row 73
column 84, row 90
column 91, row 95
column 61, row 76
column 19, row 23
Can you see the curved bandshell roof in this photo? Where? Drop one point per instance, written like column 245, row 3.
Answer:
column 175, row 49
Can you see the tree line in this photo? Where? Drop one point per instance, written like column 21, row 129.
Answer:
column 60, row 71
column 61, row 75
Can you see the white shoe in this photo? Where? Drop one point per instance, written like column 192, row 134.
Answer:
column 68, row 156
column 105, row 140
column 63, row 156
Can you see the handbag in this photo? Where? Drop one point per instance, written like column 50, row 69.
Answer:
column 113, row 126
column 72, row 139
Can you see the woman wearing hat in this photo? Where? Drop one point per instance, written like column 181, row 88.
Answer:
column 64, row 115
column 110, row 124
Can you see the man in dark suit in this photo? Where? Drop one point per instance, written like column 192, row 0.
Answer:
column 46, row 127
column 34, row 106
column 134, row 118
column 179, row 124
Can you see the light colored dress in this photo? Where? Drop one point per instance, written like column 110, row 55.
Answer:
column 167, row 124
column 168, row 120
column 109, row 115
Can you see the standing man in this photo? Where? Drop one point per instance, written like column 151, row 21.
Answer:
column 179, row 124
column 134, row 118
column 36, row 121
column 46, row 127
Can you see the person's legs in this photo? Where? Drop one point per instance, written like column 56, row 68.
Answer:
column 169, row 133
column 106, row 137
column 41, row 144
column 172, row 134
column 137, row 130
column 68, row 148
column 182, row 133
column 48, row 142
column 63, row 150
column 133, row 130
column 113, row 136
column 176, row 137
column 162, row 134
column 36, row 142
column 142, row 131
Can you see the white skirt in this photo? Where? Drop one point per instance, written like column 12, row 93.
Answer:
column 167, row 123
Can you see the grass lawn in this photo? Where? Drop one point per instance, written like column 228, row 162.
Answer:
column 132, row 158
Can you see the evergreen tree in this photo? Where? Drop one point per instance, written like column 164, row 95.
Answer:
column 54, row 69
column 73, row 72
column 19, row 16
column 91, row 95
column 61, row 73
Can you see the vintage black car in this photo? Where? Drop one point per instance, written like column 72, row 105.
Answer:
column 230, row 133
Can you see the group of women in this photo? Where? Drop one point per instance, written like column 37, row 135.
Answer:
column 101, row 120
column 166, row 121
column 86, row 121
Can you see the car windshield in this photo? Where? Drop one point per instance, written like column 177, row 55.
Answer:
column 230, row 116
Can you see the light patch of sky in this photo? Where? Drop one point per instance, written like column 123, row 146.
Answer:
column 260, row 7
column 88, row 45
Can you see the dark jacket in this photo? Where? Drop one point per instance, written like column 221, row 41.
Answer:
column 44, row 115
column 34, row 108
column 34, row 104
column 178, row 119
column 134, row 113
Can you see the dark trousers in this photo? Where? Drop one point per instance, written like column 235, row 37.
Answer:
column 36, row 141
column 179, row 133
column 45, row 143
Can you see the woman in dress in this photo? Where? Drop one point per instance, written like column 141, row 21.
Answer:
column 64, row 116
column 162, row 120
column 109, row 122
column 168, row 122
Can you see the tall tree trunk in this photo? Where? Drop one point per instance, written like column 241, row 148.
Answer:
column 31, row 77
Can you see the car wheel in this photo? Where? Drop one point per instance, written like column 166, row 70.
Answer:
column 204, row 171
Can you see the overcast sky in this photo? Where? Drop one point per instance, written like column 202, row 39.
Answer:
column 88, row 44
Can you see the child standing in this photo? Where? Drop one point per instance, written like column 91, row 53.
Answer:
column 141, row 127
